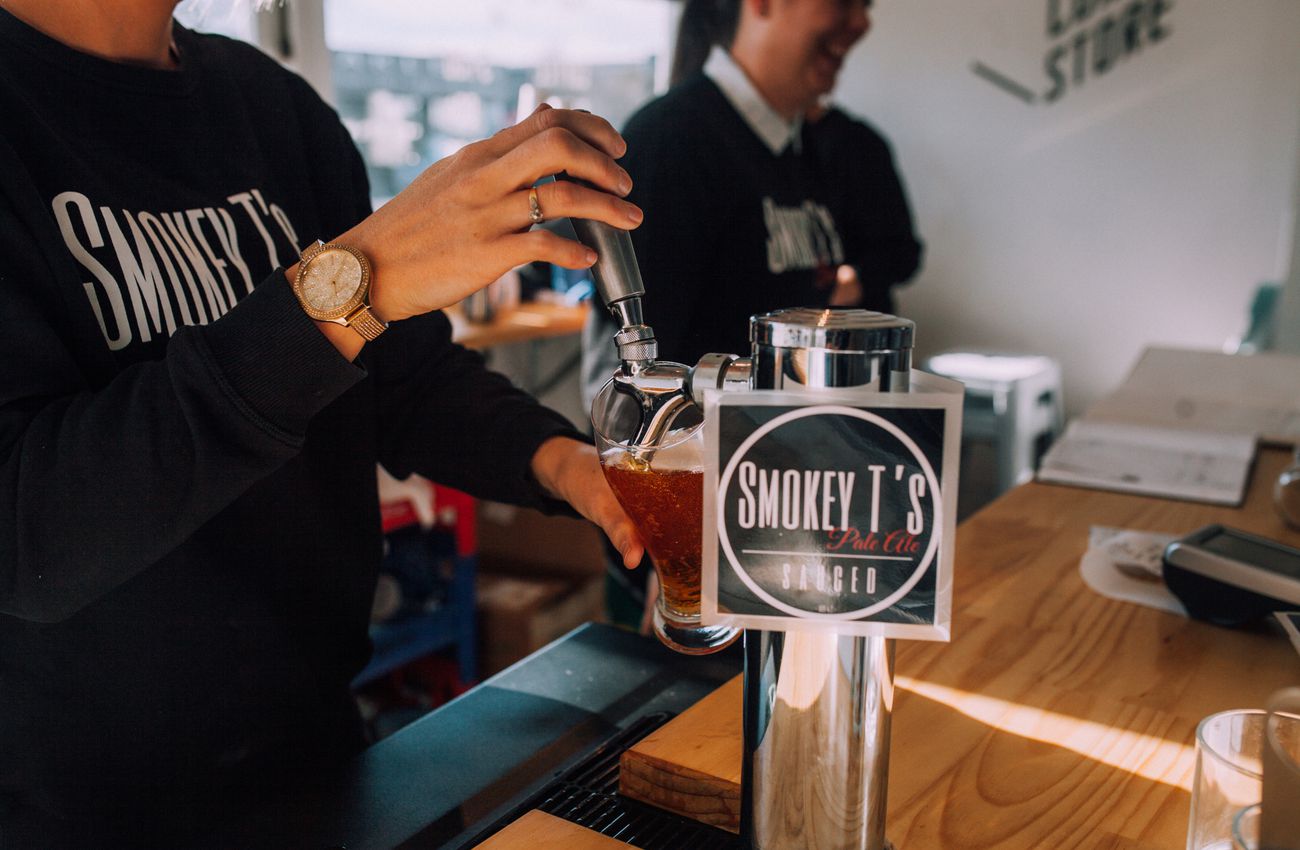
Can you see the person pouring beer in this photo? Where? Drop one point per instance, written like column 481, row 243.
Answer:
column 196, row 392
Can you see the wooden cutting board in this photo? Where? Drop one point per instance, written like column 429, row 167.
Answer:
column 540, row 831
column 691, row 765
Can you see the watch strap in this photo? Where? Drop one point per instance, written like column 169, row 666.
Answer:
column 365, row 323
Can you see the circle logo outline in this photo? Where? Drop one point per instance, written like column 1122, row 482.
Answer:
column 827, row 410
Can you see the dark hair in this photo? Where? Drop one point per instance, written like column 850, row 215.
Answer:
column 703, row 24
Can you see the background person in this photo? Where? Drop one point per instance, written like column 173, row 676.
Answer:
column 757, row 195
column 187, row 459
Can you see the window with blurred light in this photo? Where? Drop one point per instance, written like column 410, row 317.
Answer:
column 415, row 80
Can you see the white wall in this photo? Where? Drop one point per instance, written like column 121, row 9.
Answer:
column 1143, row 206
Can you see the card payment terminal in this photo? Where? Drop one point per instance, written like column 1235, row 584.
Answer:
column 1229, row 577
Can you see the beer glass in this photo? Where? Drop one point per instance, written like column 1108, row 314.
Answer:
column 662, row 489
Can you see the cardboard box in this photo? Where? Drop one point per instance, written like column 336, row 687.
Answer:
column 524, row 542
column 518, row 615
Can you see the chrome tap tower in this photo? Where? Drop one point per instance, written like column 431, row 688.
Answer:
column 816, row 703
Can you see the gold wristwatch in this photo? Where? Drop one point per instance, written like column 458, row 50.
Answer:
column 333, row 285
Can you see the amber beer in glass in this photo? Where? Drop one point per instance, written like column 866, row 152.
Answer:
column 666, row 506
column 662, row 489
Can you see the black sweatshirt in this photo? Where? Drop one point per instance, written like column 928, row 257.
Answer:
column 855, row 168
column 187, row 466
column 732, row 229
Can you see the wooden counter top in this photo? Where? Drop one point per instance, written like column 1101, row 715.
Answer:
column 540, row 831
column 1056, row 718
column 527, row 321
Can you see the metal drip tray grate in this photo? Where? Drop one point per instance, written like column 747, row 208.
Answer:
column 587, row 794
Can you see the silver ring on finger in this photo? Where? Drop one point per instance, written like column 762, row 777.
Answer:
column 534, row 208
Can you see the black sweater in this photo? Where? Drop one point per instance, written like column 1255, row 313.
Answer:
column 856, row 170
column 187, row 467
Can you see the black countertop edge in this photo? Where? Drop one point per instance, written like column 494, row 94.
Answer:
column 447, row 774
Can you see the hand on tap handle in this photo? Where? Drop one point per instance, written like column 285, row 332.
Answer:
column 618, row 277
column 618, row 284
column 468, row 219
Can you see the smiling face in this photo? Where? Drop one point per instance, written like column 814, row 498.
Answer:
column 805, row 44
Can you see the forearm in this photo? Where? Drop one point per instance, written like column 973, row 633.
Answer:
column 101, row 483
column 444, row 414
column 347, row 342
column 550, row 460
column 888, row 250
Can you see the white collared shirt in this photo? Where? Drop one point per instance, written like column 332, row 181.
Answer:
column 768, row 124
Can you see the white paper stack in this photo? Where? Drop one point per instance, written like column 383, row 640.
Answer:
column 1201, row 466
column 1183, row 425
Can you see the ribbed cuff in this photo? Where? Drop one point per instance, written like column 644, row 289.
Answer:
column 272, row 356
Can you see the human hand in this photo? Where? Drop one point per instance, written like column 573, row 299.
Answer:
column 848, row 289
column 465, row 220
column 570, row 470
column 647, row 624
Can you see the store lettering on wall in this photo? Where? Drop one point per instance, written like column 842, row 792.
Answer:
column 1087, row 39
column 1093, row 36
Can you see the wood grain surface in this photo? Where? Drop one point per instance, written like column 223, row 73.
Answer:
column 524, row 322
column 540, row 831
column 691, row 765
column 1056, row 718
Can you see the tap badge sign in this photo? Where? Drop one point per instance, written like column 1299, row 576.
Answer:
column 834, row 509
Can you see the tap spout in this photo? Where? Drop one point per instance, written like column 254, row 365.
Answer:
column 661, row 392
column 660, row 389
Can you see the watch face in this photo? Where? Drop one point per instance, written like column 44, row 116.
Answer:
column 333, row 281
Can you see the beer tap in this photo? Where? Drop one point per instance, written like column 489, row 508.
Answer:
column 660, row 388
column 834, row 690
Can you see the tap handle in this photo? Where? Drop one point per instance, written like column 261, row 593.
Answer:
column 618, row 277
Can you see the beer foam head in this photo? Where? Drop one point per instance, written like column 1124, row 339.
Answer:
column 685, row 451
column 679, row 450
